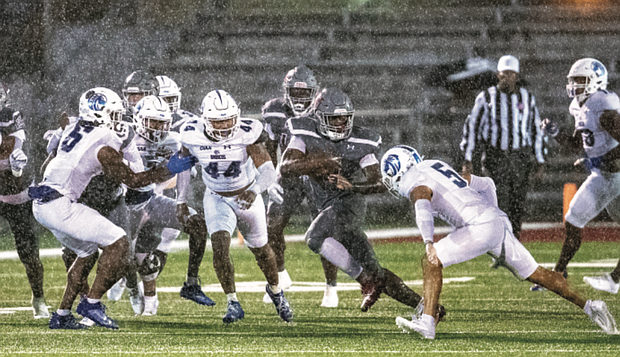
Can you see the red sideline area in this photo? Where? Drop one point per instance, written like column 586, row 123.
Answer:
column 531, row 232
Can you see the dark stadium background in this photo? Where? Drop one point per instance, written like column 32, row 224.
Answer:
column 411, row 68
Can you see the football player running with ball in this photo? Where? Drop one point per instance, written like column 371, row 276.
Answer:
column 236, row 169
column 469, row 204
column 328, row 148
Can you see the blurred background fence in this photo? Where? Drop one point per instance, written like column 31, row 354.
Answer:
column 411, row 68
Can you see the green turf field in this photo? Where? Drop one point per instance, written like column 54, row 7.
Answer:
column 493, row 314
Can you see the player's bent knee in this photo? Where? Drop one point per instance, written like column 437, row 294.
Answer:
column 314, row 244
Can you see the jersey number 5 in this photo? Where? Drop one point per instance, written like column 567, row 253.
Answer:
column 74, row 137
column 458, row 180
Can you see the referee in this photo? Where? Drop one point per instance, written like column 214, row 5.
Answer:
column 503, row 133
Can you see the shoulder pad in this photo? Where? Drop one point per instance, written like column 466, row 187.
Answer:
column 365, row 136
column 603, row 100
column 302, row 125
column 275, row 108
column 250, row 130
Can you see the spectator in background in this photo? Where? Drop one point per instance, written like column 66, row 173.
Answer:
column 504, row 130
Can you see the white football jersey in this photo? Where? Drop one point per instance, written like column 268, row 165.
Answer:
column 226, row 165
column 453, row 200
column 596, row 140
column 152, row 154
column 76, row 161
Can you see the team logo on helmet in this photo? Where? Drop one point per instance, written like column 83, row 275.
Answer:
column 97, row 101
column 598, row 68
column 392, row 165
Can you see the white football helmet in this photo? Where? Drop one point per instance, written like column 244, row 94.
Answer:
column 334, row 112
column 217, row 107
column 101, row 106
column 169, row 92
column 595, row 75
column 299, row 87
column 153, row 119
column 394, row 163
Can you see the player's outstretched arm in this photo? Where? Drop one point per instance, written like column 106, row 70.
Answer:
column 112, row 162
column 266, row 174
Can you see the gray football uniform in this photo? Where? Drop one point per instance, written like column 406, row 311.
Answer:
column 341, row 212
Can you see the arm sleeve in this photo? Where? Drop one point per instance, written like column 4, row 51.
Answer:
column 183, row 180
column 424, row 219
column 266, row 176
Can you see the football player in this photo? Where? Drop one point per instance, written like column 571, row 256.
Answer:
column 170, row 92
column 15, row 205
column 136, row 86
column 236, row 169
column 328, row 148
column 469, row 204
column 149, row 212
column 597, row 131
column 286, row 195
column 87, row 148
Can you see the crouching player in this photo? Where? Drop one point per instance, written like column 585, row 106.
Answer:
column 469, row 204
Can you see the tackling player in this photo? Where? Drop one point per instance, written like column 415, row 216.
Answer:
column 469, row 204
column 236, row 169
column 286, row 195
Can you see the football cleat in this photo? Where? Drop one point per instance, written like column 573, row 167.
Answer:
column 68, row 322
column 39, row 308
column 234, row 312
column 600, row 315
column 425, row 326
column 150, row 306
column 96, row 312
column 282, row 306
column 419, row 311
column 116, row 291
column 372, row 292
column 284, row 281
column 330, row 296
column 603, row 283
column 195, row 293
column 87, row 322
column 136, row 298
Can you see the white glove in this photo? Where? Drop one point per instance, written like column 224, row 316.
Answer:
column 18, row 161
column 550, row 127
column 275, row 193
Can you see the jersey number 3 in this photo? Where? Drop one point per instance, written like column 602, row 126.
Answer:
column 458, row 180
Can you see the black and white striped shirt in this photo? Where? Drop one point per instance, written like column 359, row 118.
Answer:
column 503, row 121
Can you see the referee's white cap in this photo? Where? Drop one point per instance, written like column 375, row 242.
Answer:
column 508, row 63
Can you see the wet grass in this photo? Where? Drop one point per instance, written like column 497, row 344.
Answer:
column 494, row 314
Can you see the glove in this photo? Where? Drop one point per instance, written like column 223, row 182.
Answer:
column 18, row 161
column 275, row 193
column 178, row 164
column 550, row 128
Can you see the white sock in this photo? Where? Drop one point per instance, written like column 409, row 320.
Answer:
column 588, row 308
column 274, row 288
column 63, row 312
column 428, row 319
column 150, row 298
column 231, row 297
column 92, row 301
